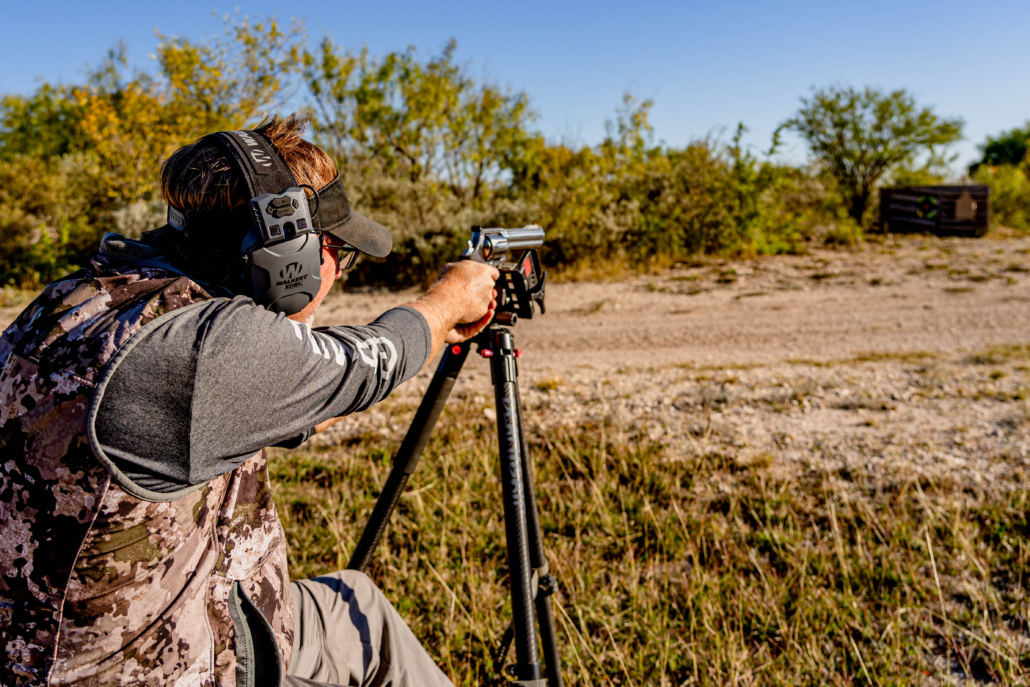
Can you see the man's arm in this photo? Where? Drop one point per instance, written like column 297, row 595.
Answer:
column 201, row 391
column 197, row 394
column 460, row 304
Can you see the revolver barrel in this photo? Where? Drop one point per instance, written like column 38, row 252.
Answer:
column 494, row 243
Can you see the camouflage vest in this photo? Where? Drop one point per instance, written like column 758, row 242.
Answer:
column 99, row 586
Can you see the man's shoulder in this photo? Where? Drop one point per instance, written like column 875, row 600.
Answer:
column 223, row 315
column 225, row 329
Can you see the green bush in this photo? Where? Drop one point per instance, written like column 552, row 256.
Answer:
column 1010, row 193
column 1007, row 148
column 40, row 228
column 861, row 136
column 77, row 161
column 424, row 148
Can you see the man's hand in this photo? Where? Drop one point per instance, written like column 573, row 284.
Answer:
column 470, row 287
column 460, row 304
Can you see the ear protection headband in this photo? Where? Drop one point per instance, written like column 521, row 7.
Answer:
column 280, row 252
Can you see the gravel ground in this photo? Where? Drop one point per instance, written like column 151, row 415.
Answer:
column 909, row 355
column 914, row 294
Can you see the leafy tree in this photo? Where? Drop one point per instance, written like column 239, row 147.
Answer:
column 628, row 199
column 1005, row 169
column 419, row 119
column 131, row 122
column 1008, row 148
column 234, row 79
column 588, row 198
column 94, row 149
column 425, row 147
column 861, row 135
column 44, row 125
column 422, row 145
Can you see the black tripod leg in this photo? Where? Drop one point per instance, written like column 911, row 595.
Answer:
column 546, row 583
column 527, row 661
column 406, row 460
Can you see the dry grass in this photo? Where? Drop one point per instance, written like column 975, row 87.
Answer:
column 11, row 297
column 685, row 556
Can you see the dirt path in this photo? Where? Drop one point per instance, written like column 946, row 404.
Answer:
column 903, row 296
column 906, row 357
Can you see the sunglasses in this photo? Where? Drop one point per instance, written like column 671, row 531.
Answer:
column 346, row 254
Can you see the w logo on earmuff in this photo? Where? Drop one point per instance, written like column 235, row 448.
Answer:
column 291, row 271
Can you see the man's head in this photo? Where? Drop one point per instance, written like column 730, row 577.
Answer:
column 200, row 177
column 206, row 185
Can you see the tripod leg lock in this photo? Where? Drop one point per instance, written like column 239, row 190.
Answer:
column 548, row 585
column 543, row 582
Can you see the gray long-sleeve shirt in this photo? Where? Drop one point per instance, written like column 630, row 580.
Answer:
column 197, row 392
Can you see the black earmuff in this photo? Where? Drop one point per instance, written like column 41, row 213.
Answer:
column 281, row 251
column 282, row 254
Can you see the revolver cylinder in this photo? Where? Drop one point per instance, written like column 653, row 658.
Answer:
column 493, row 245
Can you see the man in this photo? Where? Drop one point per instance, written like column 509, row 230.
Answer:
column 139, row 544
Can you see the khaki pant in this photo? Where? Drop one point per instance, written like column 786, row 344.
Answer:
column 347, row 633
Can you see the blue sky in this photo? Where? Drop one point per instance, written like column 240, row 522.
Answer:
column 706, row 65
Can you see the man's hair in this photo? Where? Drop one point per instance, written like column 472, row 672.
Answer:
column 199, row 177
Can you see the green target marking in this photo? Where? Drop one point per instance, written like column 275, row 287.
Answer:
column 926, row 208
